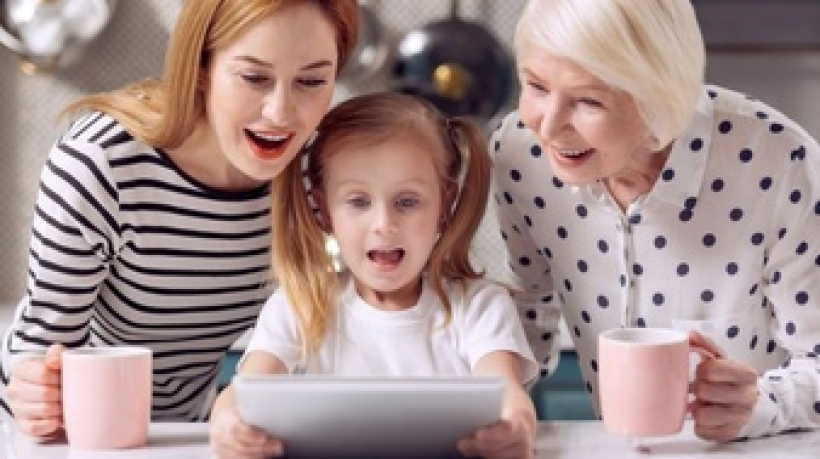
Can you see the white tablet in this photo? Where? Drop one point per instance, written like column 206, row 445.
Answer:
column 325, row 416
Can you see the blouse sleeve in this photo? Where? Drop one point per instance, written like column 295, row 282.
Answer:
column 789, row 396
column 528, row 270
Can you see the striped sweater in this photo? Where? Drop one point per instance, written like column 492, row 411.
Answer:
column 128, row 249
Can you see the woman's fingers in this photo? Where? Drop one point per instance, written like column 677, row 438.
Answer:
column 40, row 429
column 725, row 396
column 705, row 346
column 34, row 394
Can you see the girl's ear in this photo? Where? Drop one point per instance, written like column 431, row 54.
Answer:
column 322, row 213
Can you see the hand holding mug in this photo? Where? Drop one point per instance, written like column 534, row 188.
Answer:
column 35, row 396
column 725, row 393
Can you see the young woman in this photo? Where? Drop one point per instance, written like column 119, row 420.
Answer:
column 630, row 194
column 152, row 224
column 403, row 190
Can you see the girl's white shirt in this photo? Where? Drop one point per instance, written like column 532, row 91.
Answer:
column 416, row 342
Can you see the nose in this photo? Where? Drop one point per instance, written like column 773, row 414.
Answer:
column 385, row 221
column 279, row 105
column 553, row 119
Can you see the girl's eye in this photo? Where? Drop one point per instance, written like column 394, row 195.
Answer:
column 358, row 202
column 407, row 203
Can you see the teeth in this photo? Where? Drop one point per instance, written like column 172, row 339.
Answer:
column 571, row 153
column 272, row 138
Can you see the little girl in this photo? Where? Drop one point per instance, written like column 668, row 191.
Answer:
column 402, row 189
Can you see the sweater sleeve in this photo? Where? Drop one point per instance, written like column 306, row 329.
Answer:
column 74, row 234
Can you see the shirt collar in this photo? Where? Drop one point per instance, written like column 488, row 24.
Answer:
column 682, row 176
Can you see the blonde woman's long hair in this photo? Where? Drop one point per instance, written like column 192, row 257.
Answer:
column 164, row 112
column 459, row 153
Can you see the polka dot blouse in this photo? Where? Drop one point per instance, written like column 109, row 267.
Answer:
column 726, row 242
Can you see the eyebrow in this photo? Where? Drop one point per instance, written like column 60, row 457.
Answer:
column 311, row 66
column 596, row 86
column 422, row 181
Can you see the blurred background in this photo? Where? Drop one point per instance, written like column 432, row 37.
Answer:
column 767, row 48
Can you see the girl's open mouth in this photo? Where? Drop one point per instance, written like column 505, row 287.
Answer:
column 386, row 258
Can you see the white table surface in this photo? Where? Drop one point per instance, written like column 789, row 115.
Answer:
column 576, row 440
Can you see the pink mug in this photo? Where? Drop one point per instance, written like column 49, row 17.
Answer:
column 107, row 396
column 643, row 380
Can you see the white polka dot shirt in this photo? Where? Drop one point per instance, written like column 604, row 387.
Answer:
column 726, row 242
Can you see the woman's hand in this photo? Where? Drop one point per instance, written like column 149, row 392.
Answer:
column 34, row 395
column 725, row 393
column 512, row 437
column 231, row 438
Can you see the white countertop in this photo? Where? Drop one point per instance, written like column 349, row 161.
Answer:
column 570, row 440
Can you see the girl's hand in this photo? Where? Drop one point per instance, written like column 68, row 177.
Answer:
column 725, row 393
column 34, row 395
column 231, row 438
column 512, row 437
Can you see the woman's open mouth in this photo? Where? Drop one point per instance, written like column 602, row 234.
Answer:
column 268, row 146
column 572, row 156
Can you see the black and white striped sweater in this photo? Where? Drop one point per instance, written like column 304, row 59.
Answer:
column 126, row 248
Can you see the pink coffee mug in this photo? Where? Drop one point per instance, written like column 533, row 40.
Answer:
column 643, row 380
column 107, row 396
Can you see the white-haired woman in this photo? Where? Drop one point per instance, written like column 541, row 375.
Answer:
column 630, row 193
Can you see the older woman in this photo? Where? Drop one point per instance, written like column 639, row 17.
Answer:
column 631, row 194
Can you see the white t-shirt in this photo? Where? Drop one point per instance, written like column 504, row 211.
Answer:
column 726, row 242
column 365, row 341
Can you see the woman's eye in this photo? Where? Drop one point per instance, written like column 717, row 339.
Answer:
column 255, row 79
column 591, row 102
column 536, row 86
column 313, row 82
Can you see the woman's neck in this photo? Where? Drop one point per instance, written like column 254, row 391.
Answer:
column 637, row 179
column 201, row 157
